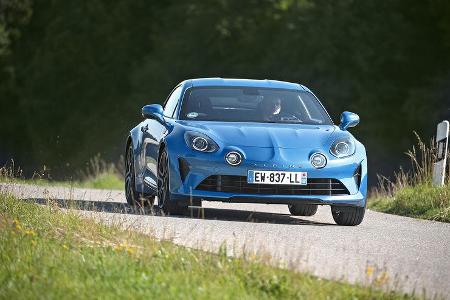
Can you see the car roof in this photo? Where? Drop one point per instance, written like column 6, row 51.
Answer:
column 265, row 83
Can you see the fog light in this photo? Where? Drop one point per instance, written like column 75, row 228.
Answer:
column 233, row 158
column 318, row 160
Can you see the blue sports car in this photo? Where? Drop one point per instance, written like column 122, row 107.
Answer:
column 254, row 141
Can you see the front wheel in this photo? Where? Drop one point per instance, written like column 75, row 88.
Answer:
column 348, row 215
column 165, row 203
column 303, row 209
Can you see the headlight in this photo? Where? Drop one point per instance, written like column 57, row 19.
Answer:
column 343, row 147
column 200, row 142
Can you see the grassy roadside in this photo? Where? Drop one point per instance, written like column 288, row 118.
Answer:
column 108, row 181
column 45, row 253
column 411, row 194
column 98, row 174
column 421, row 201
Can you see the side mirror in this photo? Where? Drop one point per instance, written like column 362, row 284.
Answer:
column 348, row 119
column 153, row 111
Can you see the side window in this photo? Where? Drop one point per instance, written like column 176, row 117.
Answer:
column 172, row 102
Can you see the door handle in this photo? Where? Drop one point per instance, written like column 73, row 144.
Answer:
column 144, row 128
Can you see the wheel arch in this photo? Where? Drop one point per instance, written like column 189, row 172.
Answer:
column 127, row 143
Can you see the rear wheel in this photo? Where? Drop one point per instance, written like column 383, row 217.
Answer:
column 165, row 202
column 303, row 209
column 132, row 196
column 348, row 215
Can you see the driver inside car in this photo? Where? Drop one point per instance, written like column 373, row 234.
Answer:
column 270, row 107
column 199, row 107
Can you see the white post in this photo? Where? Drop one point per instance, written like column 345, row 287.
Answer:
column 441, row 160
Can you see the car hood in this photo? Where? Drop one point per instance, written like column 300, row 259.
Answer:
column 267, row 135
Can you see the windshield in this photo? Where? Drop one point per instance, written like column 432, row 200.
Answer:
column 244, row 104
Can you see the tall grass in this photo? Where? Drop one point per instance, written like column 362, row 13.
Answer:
column 411, row 193
column 97, row 174
column 101, row 174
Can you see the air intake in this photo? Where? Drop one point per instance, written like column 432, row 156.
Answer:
column 239, row 185
column 184, row 168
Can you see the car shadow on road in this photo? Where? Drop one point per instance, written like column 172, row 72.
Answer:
column 193, row 212
column 249, row 216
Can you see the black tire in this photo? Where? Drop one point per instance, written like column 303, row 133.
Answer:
column 348, row 215
column 303, row 209
column 194, row 202
column 165, row 203
column 133, row 197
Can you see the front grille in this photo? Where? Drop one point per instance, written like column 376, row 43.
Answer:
column 238, row 184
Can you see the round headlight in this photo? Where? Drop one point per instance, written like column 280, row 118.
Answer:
column 199, row 143
column 233, row 158
column 318, row 160
column 343, row 147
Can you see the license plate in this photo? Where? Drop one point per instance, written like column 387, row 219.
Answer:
column 277, row 177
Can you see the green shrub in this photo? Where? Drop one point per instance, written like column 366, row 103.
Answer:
column 412, row 193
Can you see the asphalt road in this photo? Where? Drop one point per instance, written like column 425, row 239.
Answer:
column 390, row 251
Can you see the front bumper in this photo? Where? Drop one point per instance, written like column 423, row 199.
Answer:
column 347, row 200
column 200, row 166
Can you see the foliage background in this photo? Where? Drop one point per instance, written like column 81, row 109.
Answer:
column 74, row 74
